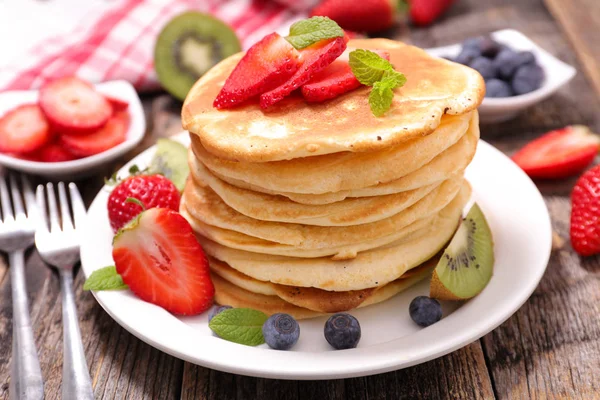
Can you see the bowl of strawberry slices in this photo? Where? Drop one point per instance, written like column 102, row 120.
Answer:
column 70, row 127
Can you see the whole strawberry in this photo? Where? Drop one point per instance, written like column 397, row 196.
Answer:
column 360, row 16
column 424, row 12
column 151, row 190
column 585, row 213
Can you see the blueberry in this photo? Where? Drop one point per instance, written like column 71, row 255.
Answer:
column 342, row 331
column 507, row 62
column 216, row 310
column 484, row 66
column 467, row 55
column 528, row 78
column 425, row 311
column 281, row 331
column 488, row 47
column 497, row 88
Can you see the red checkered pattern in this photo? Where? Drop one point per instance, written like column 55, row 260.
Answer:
column 119, row 44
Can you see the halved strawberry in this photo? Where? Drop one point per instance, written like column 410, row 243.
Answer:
column 265, row 66
column 335, row 79
column 74, row 106
column 159, row 258
column 23, row 130
column 54, row 152
column 117, row 104
column 313, row 58
column 559, row 153
column 107, row 137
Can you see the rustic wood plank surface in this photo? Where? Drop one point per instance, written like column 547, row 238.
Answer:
column 549, row 349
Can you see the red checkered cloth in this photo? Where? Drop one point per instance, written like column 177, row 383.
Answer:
column 119, row 43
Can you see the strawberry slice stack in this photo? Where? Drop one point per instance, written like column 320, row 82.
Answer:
column 273, row 69
column 71, row 120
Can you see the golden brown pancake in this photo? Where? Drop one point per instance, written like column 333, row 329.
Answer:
column 342, row 171
column 451, row 161
column 370, row 268
column 293, row 128
column 204, row 206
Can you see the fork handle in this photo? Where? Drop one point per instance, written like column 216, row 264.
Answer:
column 76, row 383
column 26, row 376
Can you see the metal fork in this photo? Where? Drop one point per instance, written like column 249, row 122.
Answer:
column 16, row 235
column 59, row 247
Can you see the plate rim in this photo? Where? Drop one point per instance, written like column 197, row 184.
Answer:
column 366, row 367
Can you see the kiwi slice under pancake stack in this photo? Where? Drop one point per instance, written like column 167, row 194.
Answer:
column 467, row 264
column 188, row 46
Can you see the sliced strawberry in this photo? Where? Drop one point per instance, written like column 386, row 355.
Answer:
column 23, row 130
column 107, row 137
column 159, row 258
column 74, row 106
column 118, row 105
column 560, row 153
column 54, row 152
column 335, row 79
column 265, row 66
column 313, row 58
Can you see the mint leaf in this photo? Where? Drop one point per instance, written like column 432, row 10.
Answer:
column 395, row 78
column 310, row 31
column 380, row 98
column 106, row 278
column 368, row 67
column 240, row 325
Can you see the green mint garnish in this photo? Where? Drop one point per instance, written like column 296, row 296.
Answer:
column 310, row 31
column 373, row 70
column 240, row 325
column 105, row 278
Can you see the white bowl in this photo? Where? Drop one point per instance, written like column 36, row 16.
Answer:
column 85, row 166
column 501, row 109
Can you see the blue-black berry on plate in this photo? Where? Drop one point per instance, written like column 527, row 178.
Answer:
column 281, row 331
column 484, row 66
column 497, row 88
column 472, row 42
column 508, row 61
column 489, row 47
column 466, row 55
column 342, row 331
column 217, row 310
column 425, row 311
column 527, row 78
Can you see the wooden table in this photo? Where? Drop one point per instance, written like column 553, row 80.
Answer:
column 549, row 349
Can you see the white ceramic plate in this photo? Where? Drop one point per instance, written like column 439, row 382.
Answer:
column 85, row 166
column 390, row 340
column 501, row 109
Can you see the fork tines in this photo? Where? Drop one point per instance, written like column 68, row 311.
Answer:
column 50, row 213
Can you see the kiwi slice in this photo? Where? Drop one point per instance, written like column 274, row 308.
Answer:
column 467, row 264
column 188, row 46
column 170, row 160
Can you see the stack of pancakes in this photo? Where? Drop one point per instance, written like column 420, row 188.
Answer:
column 318, row 208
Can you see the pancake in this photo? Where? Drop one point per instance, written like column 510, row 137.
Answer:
column 451, row 161
column 294, row 128
column 236, row 296
column 342, row 171
column 203, row 205
column 369, row 269
column 266, row 207
column 236, row 240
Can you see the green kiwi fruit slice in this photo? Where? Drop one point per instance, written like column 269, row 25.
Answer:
column 187, row 47
column 467, row 264
column 170, row 160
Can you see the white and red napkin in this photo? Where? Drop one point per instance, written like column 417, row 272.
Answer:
column 118, row 43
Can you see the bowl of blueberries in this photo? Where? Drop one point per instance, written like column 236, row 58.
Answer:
column 517, row 72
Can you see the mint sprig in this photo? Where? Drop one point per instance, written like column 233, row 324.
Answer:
column 240, row 325
column 309, row 31
column 105, row 278
column 373, row 70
